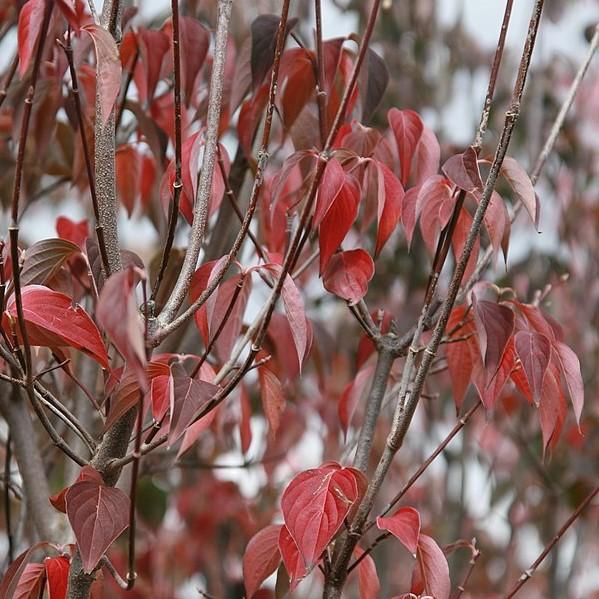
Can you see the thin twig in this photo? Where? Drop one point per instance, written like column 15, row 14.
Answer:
column 6, row 492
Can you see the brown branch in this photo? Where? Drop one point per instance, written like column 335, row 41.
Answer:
column 321, row 94
column 6, row 496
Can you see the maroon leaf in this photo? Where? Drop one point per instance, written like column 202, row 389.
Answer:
column 373, row 83
column 294, row 563
column 490, row 384
column 53, row 321
column 273, row 400
column 407, row 129
column 458, row 242
column 153, row 48
column 462, row 170
column 552, row 409
column 194, row 431
column 44, row 259
column 30, row 22
column 404, row 525
column 189, row 395
column 534, row 351
column 13, row 574
column 261, row 558
column 315, row 504
column 195, row 41
column 98, row 515
column 57, row 573
column 434, row 205
column 368, row 580
column 522, row 186
column 297, row 72
column 88, row 473
column 347, row 275
column 330, row 186
column 389, row 204
column 108, row 68
column 161, row 394
column 118, row 314
column 570, row 367
column 495, row 326
column 31, row 582
column 127, row 166
column 431, row 575
column 245, row 429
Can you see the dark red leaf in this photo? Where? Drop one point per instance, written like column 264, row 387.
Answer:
column 431, row 575
column 153, row 48
column 195, row 41
column 425, row 162
column 315, row 504
column 347, row 275
column 373, row 83
column 462, row 170
column 13, row 573
column 458, row 242
column 297, row 73
column 404, row 525
column 489, row 385
column 261, row 558
column 31, row 582
column 57, row 573
column 434, row 205
column 389, row 204
column 30, row 22
column 87, row 473
column 552, row 409
column 368, row 580
column 53, row 321
column 161, row 393
column 522, row 186
column 44, row 259
column 196, row 430
column 98, row 515
column 245, row 429
column 127, row 165
column 534, row 351
column 331, row 184
column 570, row 367
column 407, row 128
column 273, row 400
column 294, row 563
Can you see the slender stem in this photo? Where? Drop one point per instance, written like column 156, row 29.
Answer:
column 321, row 94
column 178, row 182
column 200, row 215
column 6, row 492
column 527, row 574
column 475, row 554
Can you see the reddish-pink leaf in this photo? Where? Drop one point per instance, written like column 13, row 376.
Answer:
column 98, row 515
column 522, row 186
column 127, row 164
column 570, row 367
column 261, row 558
column 490, row 384
column 407, row 129
column 273, row 400
column 404, row 525
column 118, row 314
column 431, row 575
column 76, row 232
column 495, row 326
column 161, row 394
column 458, row 242
column 13, row 574
column 351, row 396
column 87, row 473
column 245, row 430
column 297, row 72
column 462, row 170
column 338, row 220
column 30, row 22
column 189, row 395
column 57, row 573
column 153, row 48
column 315, row 504
column 368, row 580
column 552, row 409
column 434, row 205
column 53, row 321
column 389, row 204
column 294, row 563
column 348, row 273
column 425, row 162
column 108, row 68
column 31, row 582
column 534, row 351
column 333, row 180
column 195, row 431
column 195, row 40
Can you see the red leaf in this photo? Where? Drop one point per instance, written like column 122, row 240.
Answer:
column 351, row 396
column 53, row 321
column 57, row 572
column 552, row 409
column 407, row 128
column 404, row 525
column 489, row 385
column 294, row 563
column 31, row 582
column 127, row 164
column 297, row 72
column 431, row 576
column 434, row 205
column 389, row 204
column 348, row 273
column 495, row 326
column 118, row 314
column 522, row 186
column 458, row 242
column 425, row 162
column 98, row 515
column 368, row 580
column 372, row 83
column 153, row 47
column 273, row 400
column 108, row 68
column 462, row 170
column 570, row 367
column 534, row 351
column 195, row 40
column 195, row 430
column 189, row 395
column 338, row 220
column 30, row 22
column 87, row 473
column 245, row 430
column 330, row 186
column 261, row 558
column 161, row 393
column 76, row 232
column 13, row 574
column 315, row 504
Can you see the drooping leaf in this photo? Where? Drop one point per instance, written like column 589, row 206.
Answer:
column 315, row 504
column 373, row 83
column 407, row 129
column 294, row 563
column 261, row 558
column 118, row 314
column 522, row 186
column 31, row 582
column 108, row 68
column 273, row 400
column 389, row 204
column 348, row 273
column 57, row 574
column 462, row 170
column 404, row 525
column 43, row 260
column 53, row 321
column 534, row 351
column 98, row 515
column 570, row 367
column 28, row 30
column 552, row 409
column 431, row 575
column 368, row 580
